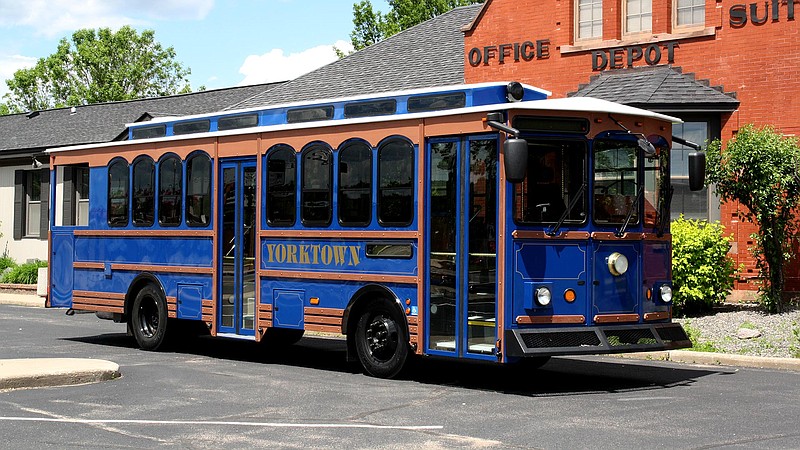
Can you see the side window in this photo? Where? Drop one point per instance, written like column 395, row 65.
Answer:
column 281, row 186
column 355, row 184
column 315, row 196
column 198, row 190
column 143, row 191
column 31, row 203
column 170, row 191
column 118, row 193
column 395, row 185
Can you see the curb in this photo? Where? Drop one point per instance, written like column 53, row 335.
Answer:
column 30, row 300
column 42, row 372
column 719, row 359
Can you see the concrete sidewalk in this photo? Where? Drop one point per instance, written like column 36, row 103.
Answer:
column 41, row 372
column 21, row 299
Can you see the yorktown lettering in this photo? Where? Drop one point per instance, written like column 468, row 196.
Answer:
column 313, row 254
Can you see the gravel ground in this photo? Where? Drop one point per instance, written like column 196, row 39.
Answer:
column 775, row 335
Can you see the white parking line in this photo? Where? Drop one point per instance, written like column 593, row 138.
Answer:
column 215, row 422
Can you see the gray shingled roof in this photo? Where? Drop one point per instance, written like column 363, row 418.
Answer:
column 657, row 88
column 103, row 122
column 427, row 55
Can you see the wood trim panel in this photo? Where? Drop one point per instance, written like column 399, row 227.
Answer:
column 610, row 236
column 324, row 234
column 88, row 265
column 616, row 318
column 545, row 320
column 264, row 318
column 338, row 276
column 323, row 317
column 422, row 269
column 323, row 328
column 412, row 320
column 655, row 237
column 98, row 303
column 566, row 235
column 94, row 308
column 164, row 269
column 146, row 233
column 95, row 294
column 207, row 303
column 660, row 315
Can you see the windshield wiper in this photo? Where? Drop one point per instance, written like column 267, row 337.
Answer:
column 570, row 207
column 634, row 206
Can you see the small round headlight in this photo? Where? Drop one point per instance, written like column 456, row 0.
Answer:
column 543, row 296
column 666, row 293
column 617, row 264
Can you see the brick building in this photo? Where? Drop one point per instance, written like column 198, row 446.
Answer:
column 716, row 64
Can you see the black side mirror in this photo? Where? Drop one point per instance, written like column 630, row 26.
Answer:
column 697, row 170
column 516, row 159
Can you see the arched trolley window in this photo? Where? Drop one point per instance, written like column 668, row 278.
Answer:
column 118, row 185
column 281, row 203
column 395, row 183
column 316, row 192
column 198, row 190
column 170, row 191
column 355, row 184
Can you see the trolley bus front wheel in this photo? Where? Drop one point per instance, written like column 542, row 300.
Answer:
column 149, row 318
column 381, row 341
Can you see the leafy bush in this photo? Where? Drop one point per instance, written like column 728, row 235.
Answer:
column 27, row 273
column 702, row 271
column 6, row 262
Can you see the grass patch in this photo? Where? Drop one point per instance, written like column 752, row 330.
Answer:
column 698, row 345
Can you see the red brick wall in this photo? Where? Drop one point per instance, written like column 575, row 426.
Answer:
column 759, row 62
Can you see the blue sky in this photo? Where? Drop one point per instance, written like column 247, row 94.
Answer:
column 224, row 42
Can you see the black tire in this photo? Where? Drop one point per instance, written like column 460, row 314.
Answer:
column 281, row 336
column 149, row 318
column 381, row 340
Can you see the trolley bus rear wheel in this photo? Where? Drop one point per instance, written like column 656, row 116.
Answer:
column 149, row 318
column 381, row 340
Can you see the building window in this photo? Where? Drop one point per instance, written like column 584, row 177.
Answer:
column 589, row 19
column 31, row 203
column 396, row 186
column 355, row 184
column 690, row 13
column 315, row 196
column 638, row 16
column 170, row 191
column 73, row 196
column 281, row 186
column 690, row 204
column 118, row 186
column 198, row 190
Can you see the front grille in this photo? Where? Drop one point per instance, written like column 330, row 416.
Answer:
column 625, row 337
column 673, row 333
column 560, row 339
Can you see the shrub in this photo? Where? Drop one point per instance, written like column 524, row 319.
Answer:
column 702, row 271
column 6, row 262
column 27, row 273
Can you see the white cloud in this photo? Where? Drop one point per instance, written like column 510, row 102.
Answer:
column 277, row 66
column 54, row 17
column 9, row 65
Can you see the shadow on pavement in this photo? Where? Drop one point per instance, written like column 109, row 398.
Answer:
column 560, row 376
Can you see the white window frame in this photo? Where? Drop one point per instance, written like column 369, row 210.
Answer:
column 676, row 5
column 625, row 16
column 591, row 5
column 32, row 230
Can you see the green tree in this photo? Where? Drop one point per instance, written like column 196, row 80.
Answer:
column 371, row 26
column 759, row 168
column 98, row 66
column 4, row 109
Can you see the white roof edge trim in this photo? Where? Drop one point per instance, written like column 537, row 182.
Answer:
column 576, row 104
column 374, row 96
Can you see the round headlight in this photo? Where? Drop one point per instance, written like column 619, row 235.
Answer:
column 617, row 264
column 543, row 296
column 666, row 293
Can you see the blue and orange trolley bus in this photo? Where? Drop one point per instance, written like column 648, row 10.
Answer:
column 477, row 221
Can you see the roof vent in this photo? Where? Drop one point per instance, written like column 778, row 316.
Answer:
column 73, row 110
column 32, row 114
